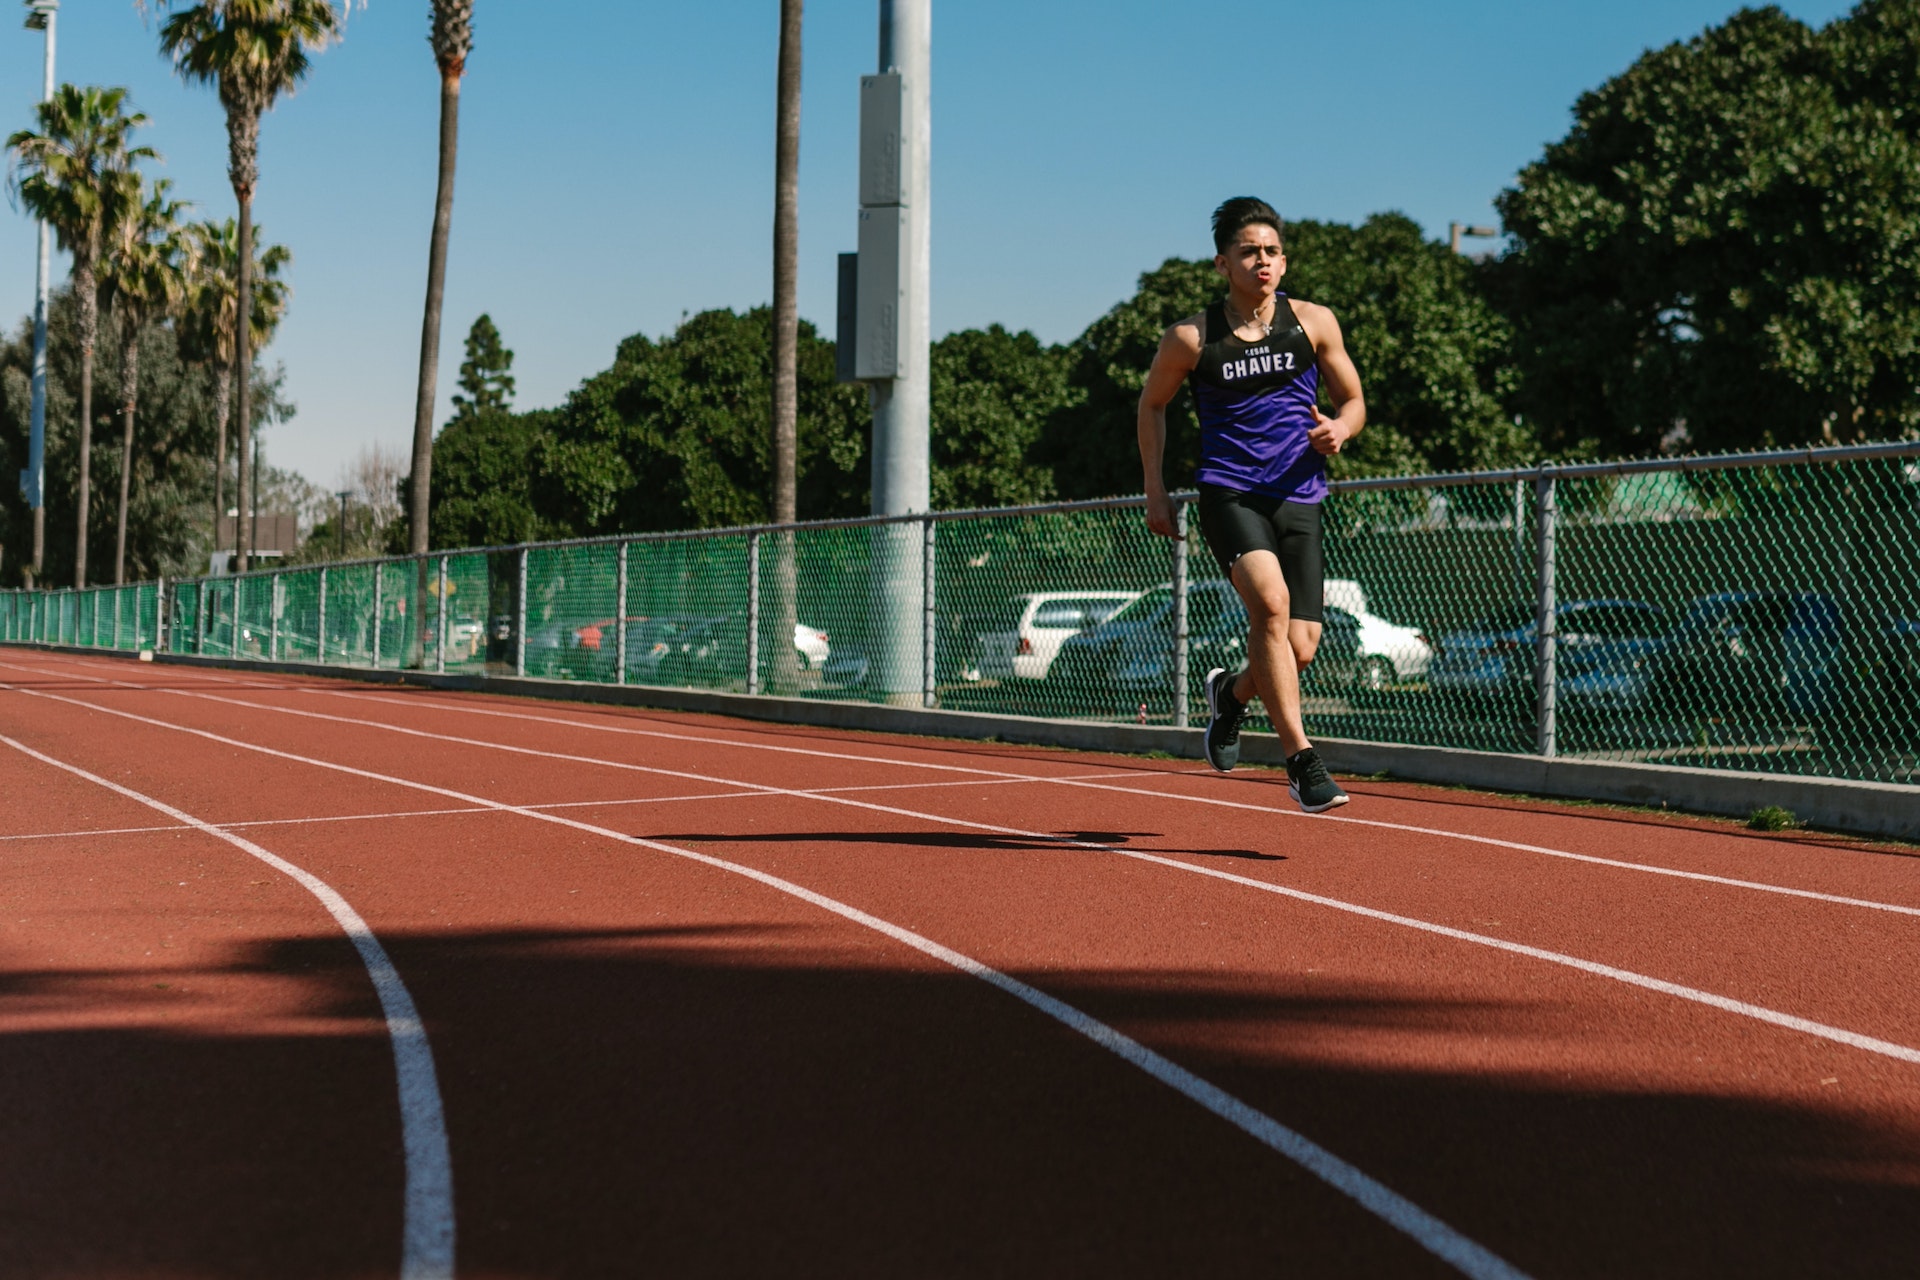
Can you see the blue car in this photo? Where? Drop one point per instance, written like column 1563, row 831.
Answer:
column 1732, row 653
column 1495, row 657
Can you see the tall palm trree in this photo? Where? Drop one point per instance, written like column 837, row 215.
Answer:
column 251, row 51
column 143, row 273
column 786, row 335
column 452, row 41
column 212, row 303
column 74, row 175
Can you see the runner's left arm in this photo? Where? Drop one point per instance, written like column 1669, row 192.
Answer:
column 1342, row 381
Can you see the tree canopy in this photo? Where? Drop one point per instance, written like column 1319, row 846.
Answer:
column 1722, row 251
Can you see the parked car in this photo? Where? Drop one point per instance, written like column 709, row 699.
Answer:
column 1082, row 668
column 1495, row 656
column 1142, row 671
column 1022, row 643
column 1388, row 652
column 1744, row 652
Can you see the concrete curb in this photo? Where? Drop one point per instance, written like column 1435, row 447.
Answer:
column 1864, row 808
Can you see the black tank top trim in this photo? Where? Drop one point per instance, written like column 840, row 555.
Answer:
column 1232, row 367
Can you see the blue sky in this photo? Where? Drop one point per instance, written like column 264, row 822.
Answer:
column 616, row 159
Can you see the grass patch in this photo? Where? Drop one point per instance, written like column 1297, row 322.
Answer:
column 1772, row 818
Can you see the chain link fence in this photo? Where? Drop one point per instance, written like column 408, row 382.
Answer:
column 1755, row 612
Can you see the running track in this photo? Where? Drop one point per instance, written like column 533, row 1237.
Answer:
column 303, row 978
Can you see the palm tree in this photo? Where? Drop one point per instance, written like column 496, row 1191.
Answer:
column 452, row 40
column 143, row 273
column 212, row 303
column 73, row 174
column 251, row 51
column 786, row 334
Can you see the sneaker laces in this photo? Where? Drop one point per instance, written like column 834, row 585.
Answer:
column 1313, row 770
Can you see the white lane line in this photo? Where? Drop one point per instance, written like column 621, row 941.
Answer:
column 427, row 1237
column 1742, row 1008
column 1096, row 782
column 557, row 804
column 1439, row 1239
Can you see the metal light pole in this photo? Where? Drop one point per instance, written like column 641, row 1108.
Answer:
column 40, row 17
column 1455, row 230
column 895, row 217
column 343, row 495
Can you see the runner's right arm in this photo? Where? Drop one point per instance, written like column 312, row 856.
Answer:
column 1179, row 353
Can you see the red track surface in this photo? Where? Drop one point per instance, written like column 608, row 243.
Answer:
column 650, row 1065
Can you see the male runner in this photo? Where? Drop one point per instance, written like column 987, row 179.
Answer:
column 1256, row 360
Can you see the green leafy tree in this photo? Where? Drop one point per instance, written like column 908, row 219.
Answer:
column 483, row 495
column 145, row 277
column 206, row 322
column 75, row 174
column 486, row 377
column 1431, row 350
column 1721, row 252
column 251, row 51
column 674, row 434
column 170, row 483
column 993, row 392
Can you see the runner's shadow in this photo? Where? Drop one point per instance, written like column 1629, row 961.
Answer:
column 988, row 841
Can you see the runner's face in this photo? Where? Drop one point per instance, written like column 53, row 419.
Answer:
column 1253, row 264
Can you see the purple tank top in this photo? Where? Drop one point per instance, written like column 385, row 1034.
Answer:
column 1255, row 404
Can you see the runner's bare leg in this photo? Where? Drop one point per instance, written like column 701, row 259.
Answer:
column 1272, row 671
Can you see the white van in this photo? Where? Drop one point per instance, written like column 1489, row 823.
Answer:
column 1030, row 630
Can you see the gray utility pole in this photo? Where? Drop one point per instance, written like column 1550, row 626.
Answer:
column 893, row 316
column 40, row 17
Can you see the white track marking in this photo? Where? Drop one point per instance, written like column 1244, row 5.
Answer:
column 427, row 1236
column 1096, row 782
column 1439, row 1239
column 1742, row 1008
column 557, row 804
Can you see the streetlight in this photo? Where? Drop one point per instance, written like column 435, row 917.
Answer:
column 1455, row 230
column 343, row 495
column 40, row 16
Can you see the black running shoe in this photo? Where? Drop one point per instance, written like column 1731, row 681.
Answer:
column 1223, row 730
column 1311, row 785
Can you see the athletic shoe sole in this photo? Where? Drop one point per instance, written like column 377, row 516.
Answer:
column 1334, row 803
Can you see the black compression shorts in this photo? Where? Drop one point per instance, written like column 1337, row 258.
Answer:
column 1236, row 523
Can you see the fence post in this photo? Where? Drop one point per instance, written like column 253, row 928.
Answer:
column 273, row 618
column 1180, row 616
column 929, row 629
column 378, row 574
column 160, row 614
column 520, row 621
column 753, row 613
column 1545, row 625
column 441, row 628
column 200, row 624
column 320, row 640
column 620, row 618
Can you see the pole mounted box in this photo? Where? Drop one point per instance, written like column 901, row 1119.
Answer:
column 879, row 349
column 883, row 170
column 846, row 330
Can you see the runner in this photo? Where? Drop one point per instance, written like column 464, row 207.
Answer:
column 1256, row 360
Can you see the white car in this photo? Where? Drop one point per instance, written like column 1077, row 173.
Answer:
column 811, row 644
column 1031, row 629
column 1389, row 652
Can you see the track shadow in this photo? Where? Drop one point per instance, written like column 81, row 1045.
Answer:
column 973, row 841
column 747, row 1101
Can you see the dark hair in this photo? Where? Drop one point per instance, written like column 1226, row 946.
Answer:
column 1241, row 212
